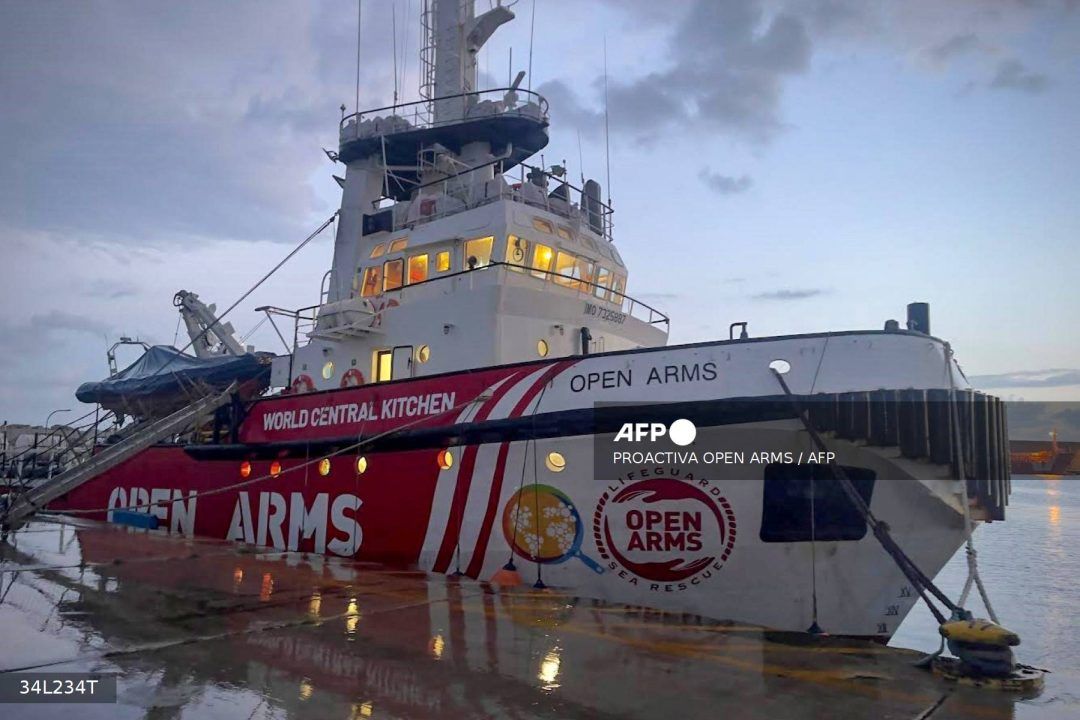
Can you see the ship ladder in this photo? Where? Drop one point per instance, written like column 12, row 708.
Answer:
column 141, row 438
column 983, row 648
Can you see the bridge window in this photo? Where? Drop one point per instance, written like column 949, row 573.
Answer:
column 372, row 281
column 785, row 512
column 517, row 252
column 478, row 252
column 618, row 288
column 541, row 261
column 565, row 267
column 399, row 244
column 603, row 282
column 564, row 234
column 378, row 250
column 543, row 226
column 393, row 270
column 583, row 270
column 418, row 268
column 383, row 363
column 442, row 261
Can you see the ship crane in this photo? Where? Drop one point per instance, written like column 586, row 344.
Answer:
column 209, row 337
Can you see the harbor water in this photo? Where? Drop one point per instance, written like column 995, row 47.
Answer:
column 1030, row 565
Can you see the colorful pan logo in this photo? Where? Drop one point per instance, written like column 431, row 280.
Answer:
column 542, row 525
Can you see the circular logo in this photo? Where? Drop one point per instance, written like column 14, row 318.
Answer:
column 664, row 530
column 682, row 432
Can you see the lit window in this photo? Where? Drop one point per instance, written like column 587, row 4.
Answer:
column 418, row 268
column 541, row 262
column 543, row 226
column 324, row 467
column 245, row 469
column 565, row 267
column 583, row 270
column 618, row 287
column 393, row 270
column 442, row 261
column 361, row 465
column 478, row 252
column 384, row 365
column 446, row 459
column 378, row 250
column 328, row 370
column 399, row 244
column 423, row 354
column 564, row 233
column 372, row 282
column 517, row 252
column 603, row 282
column 542, row 348
column 275, row 468
column 555, row 462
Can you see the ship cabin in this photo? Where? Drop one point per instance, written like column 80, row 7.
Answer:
column 450, row 280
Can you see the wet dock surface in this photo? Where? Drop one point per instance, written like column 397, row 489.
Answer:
column 199, row 628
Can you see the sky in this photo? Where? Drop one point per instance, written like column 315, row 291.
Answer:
column 802, row 165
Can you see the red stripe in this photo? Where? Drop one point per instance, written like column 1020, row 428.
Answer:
column 464, row 480
column 476, row 563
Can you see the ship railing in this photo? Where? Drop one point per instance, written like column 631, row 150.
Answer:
column 406, row 117
column 582, row 288
column 521, row 191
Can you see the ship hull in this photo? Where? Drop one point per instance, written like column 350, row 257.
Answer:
column 729, row 538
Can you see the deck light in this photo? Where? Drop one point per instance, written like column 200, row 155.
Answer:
column 275, row 468
column 245, row 469
column 324, row 467
column 542, row 348
column 555, row 462
column 446, row 459
column 361, row 465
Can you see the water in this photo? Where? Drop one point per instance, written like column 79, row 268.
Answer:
column 1030, row 565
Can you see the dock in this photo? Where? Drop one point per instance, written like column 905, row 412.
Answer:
column 203, row 628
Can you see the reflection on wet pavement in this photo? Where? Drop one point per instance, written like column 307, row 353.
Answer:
column 199, row 628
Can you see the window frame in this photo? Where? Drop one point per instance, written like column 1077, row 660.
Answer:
column 567, row 280
column 409, row 269
column 377, row 284
column 400, row 262
column 523, row 264
column 488, row 240
column 439, row 257
column 377, row 251
column 398, row 245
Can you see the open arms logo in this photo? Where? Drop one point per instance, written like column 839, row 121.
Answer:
column 671, row 532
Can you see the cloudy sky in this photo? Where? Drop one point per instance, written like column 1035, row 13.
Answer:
column 803, row 165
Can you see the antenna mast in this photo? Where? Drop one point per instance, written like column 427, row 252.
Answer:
column 359, row 5
column 607, row 133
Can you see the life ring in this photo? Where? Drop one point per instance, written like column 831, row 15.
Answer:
column 352, row 378
column 303, row 384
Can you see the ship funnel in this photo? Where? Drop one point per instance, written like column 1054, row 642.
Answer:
column 918, row 317
column 594, row 208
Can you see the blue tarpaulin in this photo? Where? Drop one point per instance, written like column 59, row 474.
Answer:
column 165, row 376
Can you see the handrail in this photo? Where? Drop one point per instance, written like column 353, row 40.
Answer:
column 525, row 269
column 359, row 117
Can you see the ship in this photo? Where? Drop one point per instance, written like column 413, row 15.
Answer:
column 479, row 394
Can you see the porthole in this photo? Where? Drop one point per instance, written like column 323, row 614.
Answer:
column 446, row 459
column 245, row 469
column 555, row 462
column 324, row 467
column 423, row 354
column 361, row 465
column 328, row 370
column 275, row 468
column 542, row 348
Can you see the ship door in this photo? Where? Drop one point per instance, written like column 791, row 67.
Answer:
column 402, row 362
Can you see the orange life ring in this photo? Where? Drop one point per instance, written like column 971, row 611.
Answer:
column 352, row 378
column 303, row 384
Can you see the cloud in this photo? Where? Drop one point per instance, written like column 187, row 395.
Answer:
column 1014, row 75
column 954, row 46
column 177, row 123
column 59, row 321
column 790, row 294
column 726, row 63
column 1054, row 377
column 725, row 184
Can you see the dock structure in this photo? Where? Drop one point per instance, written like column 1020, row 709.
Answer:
column 205, row 628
